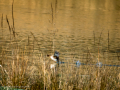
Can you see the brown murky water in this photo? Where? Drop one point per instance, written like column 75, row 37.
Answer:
column 71, row 28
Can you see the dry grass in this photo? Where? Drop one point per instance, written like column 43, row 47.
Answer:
column 22, row 68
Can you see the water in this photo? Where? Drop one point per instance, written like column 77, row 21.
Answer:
column 75, row 28
column 86, row 33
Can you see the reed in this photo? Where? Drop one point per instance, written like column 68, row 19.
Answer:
column 98, row 71
column 32, row 72
column 8, row 26
column 118, row 56
column 13, row 28
column 94, row 39
column 56, row 2
column 52, row 12
column 108, row 40
column 2, row 24
column 15, row 73
column 99, row 44
column 2, row 21
column 35, row 40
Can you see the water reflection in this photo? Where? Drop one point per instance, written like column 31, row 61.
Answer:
column 76, row 26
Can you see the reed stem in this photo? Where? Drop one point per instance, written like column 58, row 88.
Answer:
column 94, row 40
column 52, row 12
column 2, row 25
column 108, row 40
column 8, row 26
column 13, row 28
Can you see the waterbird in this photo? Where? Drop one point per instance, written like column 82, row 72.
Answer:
column 54, row 57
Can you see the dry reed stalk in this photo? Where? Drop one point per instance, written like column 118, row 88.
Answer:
column 119, row 76
column 4, row 71
column 94, row 39
column 91, row 55
column 87, row 58
column 12, row 14
column 60, row 80
column 33, row 44
column 52, row 12
column 99, row 44
column 8, row 26
column 4, row 74
column 117, row 55
column 55, row 5
column 52, row 24
column 44, row 75
column 2, row 21
column 28, row 40
column 2, row 25
column 13, row 28
column 29, row 46
column 53, row 42
column 13, row 73
column 18, row 70
column 22, row 66
column 35, row 39
column 29, row 43
column 98, row 74
column 2, row 54
column 25, row 65
column 88, row 53
column 108, row 40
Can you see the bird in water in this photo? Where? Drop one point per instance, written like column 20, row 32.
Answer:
column 54, row 57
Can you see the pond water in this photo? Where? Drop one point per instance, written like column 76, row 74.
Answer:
column 71, row 27
column 83, row 31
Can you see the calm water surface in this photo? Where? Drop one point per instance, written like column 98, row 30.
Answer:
column 72, row 26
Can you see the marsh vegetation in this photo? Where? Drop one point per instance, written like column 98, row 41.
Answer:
column 24, row 63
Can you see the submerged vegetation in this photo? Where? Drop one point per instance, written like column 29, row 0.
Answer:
column 23, row 65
